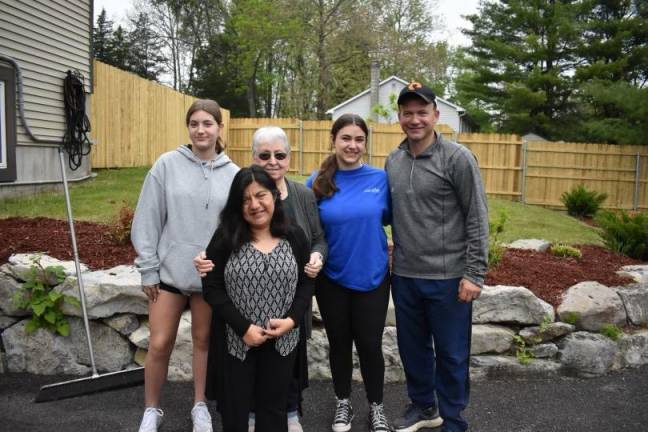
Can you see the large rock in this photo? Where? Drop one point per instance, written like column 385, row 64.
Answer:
column 592, row 305
column 508, row 304
column 637, row 272
column 587, row 354
column 633, row 349
column 538, row 245
column 318, row 351
column 546, row 350
column 7, row 321
column 488, row 366
column 20, row 265
column 140, row 337
column 393, row 367
column 42, row 352
column 8, row 288
column 538, row 334
column 490, row 339
column 635, row 300
column 123, row 323
column 108, row 292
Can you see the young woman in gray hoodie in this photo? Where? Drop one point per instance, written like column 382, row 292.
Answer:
column 177, row 213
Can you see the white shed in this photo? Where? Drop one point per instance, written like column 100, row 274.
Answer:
column 449, row 113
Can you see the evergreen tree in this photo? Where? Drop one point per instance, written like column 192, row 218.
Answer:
column 101, row 35
column 145, row 54
column 120, row 49
column 520, row 65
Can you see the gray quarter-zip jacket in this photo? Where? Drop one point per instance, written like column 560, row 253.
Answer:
column 176, row 215
column 440, row 214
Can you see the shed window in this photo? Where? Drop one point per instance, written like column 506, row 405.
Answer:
column 7, row 124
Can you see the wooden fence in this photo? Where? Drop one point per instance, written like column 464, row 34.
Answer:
column 135, row 120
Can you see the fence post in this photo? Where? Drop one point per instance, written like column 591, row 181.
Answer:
column 301, row 147
column 370, row 145
column 523, row 173
column 635, row 197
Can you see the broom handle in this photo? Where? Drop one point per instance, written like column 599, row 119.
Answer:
column 77, row 265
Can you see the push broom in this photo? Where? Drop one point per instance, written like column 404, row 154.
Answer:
column 77, row 127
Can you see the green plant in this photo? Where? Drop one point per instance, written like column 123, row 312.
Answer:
column 624, row 233
column 522, row 353
column 570, row 318
column 612, row 331
column 37, row 295
column 120, row 229
column 544, row 325
column 495, row 248
column 562, row 250
column 581, row 202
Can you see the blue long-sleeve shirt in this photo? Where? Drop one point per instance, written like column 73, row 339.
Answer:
column 353, row 220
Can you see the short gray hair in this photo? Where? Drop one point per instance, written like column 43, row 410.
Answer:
column 267, row 134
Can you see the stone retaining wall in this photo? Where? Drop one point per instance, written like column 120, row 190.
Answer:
column 510, row 324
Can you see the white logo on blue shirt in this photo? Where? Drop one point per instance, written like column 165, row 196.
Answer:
column 372, row 190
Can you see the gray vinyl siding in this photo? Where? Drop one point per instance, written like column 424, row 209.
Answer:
column 46, row 38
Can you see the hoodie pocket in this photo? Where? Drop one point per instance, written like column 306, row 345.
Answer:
column 177, row 269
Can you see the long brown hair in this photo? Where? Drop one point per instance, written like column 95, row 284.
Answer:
column 210, row 106
column 324, row 183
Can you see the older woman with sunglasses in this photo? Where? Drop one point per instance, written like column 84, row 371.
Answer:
column 271, row 151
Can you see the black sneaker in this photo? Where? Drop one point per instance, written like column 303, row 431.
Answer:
column 416, row 418
column 343, row 416
column 377, row 419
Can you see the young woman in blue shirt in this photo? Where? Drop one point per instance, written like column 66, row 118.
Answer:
column 352, row 290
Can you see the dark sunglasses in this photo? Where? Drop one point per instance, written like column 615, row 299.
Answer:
column 277, row 155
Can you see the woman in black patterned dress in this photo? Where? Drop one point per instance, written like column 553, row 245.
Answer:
column 258, row 291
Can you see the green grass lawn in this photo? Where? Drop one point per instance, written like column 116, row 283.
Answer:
column 100, row 199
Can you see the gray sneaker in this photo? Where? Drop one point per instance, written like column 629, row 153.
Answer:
column 416, row 418
column 343, row 416
column 377, row 418
column 151, row 419
column 201, row 419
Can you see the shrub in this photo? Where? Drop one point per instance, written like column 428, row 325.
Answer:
column 37, row 295
column 612, row 331
column 581, row 202
column 495, row 249
column 120, row 229
column 562, row 250
column 625, row 234
column 522, row 353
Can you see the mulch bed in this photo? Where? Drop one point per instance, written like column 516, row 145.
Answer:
column 545, row 275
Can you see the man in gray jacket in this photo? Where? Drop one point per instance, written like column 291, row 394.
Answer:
column 440, row 234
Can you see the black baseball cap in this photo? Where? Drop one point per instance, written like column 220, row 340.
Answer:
column 416, row 89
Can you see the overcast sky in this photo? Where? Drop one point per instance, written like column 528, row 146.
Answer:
column 450, row 10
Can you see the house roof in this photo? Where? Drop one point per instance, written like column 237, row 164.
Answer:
column 383, row 82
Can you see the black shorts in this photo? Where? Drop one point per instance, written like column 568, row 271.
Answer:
column 170, row 289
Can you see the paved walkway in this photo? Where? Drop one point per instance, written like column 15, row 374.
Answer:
column 615, row 403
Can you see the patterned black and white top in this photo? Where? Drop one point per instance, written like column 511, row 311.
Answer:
column 262, row 286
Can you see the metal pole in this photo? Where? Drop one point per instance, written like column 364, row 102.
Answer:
column 524, row 172
column 635, row 197
column 77, row 264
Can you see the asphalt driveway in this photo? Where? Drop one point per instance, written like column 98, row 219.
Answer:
column 614, row 403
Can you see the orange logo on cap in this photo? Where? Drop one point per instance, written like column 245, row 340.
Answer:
column 414, row 85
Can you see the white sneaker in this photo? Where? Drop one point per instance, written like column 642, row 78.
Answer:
column 151, row 419
column 294, row 425
column 202, row 421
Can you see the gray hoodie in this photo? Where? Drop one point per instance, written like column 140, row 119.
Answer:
column 440, row 215
column 176, row 215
